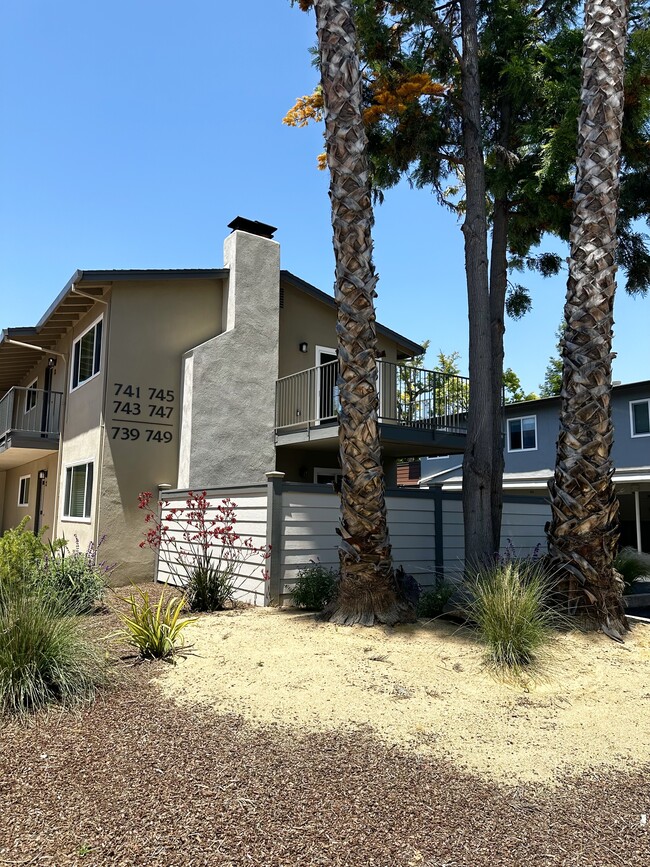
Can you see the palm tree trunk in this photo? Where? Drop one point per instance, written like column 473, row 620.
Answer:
column 584, row 526
column 368, row 591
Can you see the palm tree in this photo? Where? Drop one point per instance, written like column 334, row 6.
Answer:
column 584, row 528
column 368, row 590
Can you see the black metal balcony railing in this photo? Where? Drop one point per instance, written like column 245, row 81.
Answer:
column 30, row 413
column 408, row 396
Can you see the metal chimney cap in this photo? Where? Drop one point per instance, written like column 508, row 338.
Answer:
column 253, row 227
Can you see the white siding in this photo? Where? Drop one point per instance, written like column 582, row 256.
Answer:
column 251, row 517
column 309, row 522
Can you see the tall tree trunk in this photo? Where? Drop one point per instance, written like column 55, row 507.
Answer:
column 498, row 290
column 368, row 590
column 478, row 459
column 584, row 526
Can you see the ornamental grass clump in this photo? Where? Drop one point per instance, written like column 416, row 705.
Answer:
column 45, row 657
column 510, row 605
column 155, row 630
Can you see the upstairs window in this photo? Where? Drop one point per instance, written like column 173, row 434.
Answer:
column 23, row 490
column 640, row 418
column 86, row 355
column 522, row 434
column 78, row 491
column 30, row 396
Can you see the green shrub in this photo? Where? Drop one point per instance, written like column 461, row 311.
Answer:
column 433, row 600
column 315, row 586
column 209, row 588
column 632, row 565
column 20, row 551
column 45, row 658
column 509, row 605
column 156, row 631
column 77, row 579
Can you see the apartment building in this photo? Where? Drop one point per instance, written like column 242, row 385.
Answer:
column 146, row 379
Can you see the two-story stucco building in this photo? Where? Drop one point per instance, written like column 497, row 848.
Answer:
column 531, row 431
column 198, row 379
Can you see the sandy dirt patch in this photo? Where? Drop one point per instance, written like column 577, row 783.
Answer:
column 425, row 688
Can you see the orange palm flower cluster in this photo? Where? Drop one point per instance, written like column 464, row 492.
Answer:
column 393, row 98
column 307, row 108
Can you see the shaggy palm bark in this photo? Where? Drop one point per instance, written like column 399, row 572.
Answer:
column 368, row 590
column 584, row 527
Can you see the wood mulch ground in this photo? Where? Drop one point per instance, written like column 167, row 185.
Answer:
column 136, row 780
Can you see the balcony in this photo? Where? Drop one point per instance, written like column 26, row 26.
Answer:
column 421, row 412
column 29, row 425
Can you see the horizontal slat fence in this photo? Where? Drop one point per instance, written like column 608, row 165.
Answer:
column 426, row 533
column 251, row 514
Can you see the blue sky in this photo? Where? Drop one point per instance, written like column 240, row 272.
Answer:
column 133, row 133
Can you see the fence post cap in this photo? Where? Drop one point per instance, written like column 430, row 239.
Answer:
column 275, row 475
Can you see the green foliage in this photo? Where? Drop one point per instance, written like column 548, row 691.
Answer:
column 632, row 565
column 156, row 630
column 209, row 588
column 433, row 600
column 510, row 605
column 20, row 551
column 315, row 586
column 514, row 393
column 529, row 61
column 75, row 578
column 45, row 658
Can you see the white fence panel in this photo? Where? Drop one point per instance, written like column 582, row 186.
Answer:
column 251, row 515
column 309, row 522
column 309, row 533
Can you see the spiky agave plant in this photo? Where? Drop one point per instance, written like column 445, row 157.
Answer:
column 156, row 630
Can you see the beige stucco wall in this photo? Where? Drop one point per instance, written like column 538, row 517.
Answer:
column 12, row 512
column 306, row 319
column 153, row 323
column 81, row 440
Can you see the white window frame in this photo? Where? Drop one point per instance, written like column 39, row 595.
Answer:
column 521, row 418
column 31, row 393
column 632, row 404
column 20, row 490
column 77, row 340
column 87, row 506
column 329, row 471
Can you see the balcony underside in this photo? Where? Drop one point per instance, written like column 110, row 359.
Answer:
column 19, row 448
column 396, row 440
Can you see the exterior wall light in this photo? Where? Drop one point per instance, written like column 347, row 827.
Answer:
column 303, row 347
